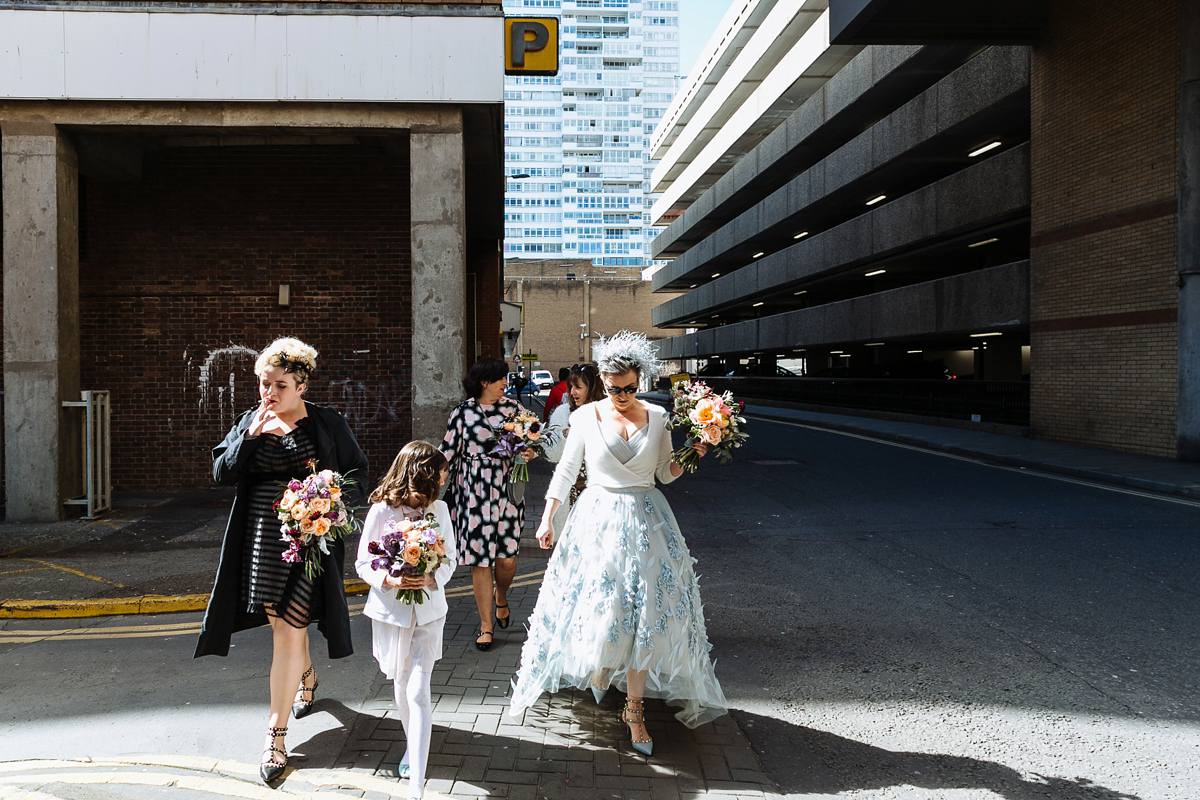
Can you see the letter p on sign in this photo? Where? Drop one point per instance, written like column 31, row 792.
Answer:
column 531, row 46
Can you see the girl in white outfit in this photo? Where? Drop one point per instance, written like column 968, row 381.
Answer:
column 407, row 639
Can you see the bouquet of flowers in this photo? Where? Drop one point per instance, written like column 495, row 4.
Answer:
column 522, row 432
column 313, row 515
column 715, row 419
column 410, row 548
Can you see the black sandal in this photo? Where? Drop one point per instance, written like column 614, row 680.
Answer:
column 483, row 645
column 301, row 707
column 503, row 621
column 269, row 769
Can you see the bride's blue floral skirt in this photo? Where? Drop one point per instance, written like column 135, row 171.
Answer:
column 620, row 593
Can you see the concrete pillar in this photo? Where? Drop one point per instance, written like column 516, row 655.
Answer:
column 1188, row 399
column 40, row 185
column 437, row 176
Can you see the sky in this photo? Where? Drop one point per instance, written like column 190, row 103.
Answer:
column 697, row 21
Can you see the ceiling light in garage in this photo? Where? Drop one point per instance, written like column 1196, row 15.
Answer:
column 802, row 291
column 981, row 335
column 985, row 241
column 980, row 151
column 914, row 351
column 715, row 275
column 835, row 352
column 800, row 235
column 873, row 344
column 876, row 272
column 693, row 286
column 759, row 254
column 878, row 199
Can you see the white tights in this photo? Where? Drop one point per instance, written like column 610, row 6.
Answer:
column 410, row 688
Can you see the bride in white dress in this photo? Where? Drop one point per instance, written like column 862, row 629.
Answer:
column 620, row 604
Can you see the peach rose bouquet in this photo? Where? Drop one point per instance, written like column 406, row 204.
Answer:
column 522, row 431
column 715, row 419
column 409, row 548
column 313, row 514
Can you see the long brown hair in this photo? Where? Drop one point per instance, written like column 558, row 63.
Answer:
column 589, row 377
column 414, row 479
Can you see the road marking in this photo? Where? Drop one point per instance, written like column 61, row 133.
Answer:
column 1108, row 487
column 165, row 630
column 50, row 565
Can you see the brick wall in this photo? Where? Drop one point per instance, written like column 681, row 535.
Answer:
column 1103, row 259
column 179, row 278
column 554, row 306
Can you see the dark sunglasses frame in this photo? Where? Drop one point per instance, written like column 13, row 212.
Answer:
column 616, row 390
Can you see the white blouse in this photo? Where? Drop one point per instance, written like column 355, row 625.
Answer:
column 382, row 604
column 586, row 445
column 556, row 432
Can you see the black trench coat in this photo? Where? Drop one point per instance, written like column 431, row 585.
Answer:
column 337, row 450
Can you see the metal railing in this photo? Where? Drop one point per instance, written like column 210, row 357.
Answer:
column 97, row 452
column 1004, row 402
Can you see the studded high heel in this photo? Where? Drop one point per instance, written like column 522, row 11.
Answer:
column 633, row 715
column 300, row 707
column 270, row 769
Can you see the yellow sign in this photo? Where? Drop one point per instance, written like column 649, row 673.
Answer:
column 679, row 378
column 530, row 46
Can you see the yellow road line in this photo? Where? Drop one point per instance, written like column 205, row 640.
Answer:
column 52, row 565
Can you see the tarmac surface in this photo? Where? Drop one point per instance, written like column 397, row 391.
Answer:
column 881, row 659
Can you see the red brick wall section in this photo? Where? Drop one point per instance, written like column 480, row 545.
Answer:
column 179, row 283
column 1104, row 86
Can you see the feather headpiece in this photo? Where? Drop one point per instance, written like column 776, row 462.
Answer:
column 624, row 351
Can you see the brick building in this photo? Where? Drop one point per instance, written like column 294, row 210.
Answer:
column 564, row 298
column 187, row 182
column 992, row 186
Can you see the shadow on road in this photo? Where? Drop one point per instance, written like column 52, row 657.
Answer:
column 810, row 761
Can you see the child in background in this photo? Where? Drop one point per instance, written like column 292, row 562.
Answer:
column 407, row 639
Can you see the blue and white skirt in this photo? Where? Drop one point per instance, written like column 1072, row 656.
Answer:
column 620, row 593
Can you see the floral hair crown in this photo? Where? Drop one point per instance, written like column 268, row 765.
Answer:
column 626, row 350
column 293, row 364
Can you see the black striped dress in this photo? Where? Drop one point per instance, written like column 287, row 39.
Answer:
column 268, row 582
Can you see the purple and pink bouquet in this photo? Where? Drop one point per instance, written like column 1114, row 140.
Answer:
column 522, row 432
column 715, row 419
column 409, row 548
column 313, row 514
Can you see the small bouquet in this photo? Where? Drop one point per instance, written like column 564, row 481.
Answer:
column 313, row 515
column 522, row 432
column 410, row 548
column 715, row 419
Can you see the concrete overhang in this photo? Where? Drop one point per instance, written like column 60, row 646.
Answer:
column 935, row 223
column 756, row 74
column 931, row 21
column 949, row 309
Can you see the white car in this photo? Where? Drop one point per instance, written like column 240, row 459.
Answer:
column 543, row 379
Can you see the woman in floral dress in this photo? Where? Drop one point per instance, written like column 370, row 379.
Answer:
column 487, row 523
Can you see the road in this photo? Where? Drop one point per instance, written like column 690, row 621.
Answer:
column 906, row 624
column 888, row 623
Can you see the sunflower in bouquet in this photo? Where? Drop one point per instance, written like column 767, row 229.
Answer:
column 708, row 417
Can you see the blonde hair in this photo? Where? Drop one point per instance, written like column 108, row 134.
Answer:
column 414, row 479
column 289, row 354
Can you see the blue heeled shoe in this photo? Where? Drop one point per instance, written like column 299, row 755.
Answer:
column 598, row 694
column 403, row 768
column 632, row 715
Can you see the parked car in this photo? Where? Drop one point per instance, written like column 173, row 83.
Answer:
column 543, row 379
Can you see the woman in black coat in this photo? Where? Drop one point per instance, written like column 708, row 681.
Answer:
column 254, row 585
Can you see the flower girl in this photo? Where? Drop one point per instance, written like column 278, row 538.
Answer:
column 407, row 636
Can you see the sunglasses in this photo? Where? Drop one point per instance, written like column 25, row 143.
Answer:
column 631, row 389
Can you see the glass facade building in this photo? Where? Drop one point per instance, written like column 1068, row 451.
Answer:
column 576, row 145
